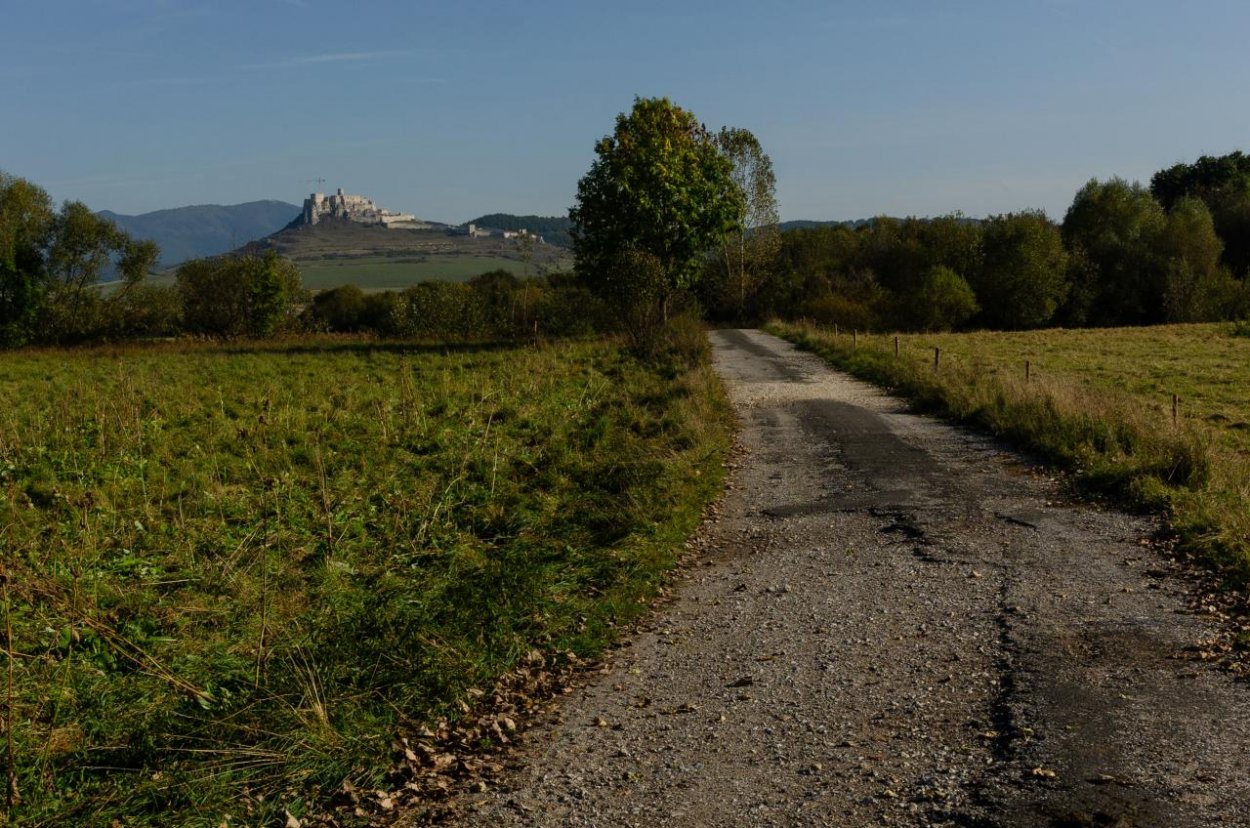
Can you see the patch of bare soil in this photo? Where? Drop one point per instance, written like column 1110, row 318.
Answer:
column 893, row 623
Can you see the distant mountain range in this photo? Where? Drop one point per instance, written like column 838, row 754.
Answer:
column 555, row 229
column 805, row 224
column 854, row 224
column 210, row 229
column 205, row 230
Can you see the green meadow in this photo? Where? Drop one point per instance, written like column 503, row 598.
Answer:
column 235, row 574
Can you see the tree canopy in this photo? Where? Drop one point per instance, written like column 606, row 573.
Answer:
column 1023, row 275
column 1222, row 183
column 235, row 296
column 1197, row 287
column 659, row 195
column 742, row 260
column 1111, row 227
column 51, row 262
column 25, row 223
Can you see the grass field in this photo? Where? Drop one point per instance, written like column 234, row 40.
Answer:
column 376, row 273
column 234, row 575
column 1098, row 402
column 388, row 273
column 336, row 253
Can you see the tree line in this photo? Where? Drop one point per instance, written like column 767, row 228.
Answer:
column 50, row 266
column 672, row 218
column 1124, row 254
column 52, row 262
column 670, row 209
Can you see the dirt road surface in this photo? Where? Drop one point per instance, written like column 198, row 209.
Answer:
column 895, row 623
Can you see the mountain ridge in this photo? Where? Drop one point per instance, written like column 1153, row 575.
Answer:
column 200, row 230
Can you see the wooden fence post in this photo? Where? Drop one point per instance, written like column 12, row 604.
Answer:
column 895, row 346
column 937, row 357
column 1026, row 370
column 1176, row 406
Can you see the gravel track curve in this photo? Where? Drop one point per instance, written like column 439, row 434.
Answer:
column 892, row 621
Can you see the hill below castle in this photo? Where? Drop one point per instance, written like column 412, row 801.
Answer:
column 336, row 252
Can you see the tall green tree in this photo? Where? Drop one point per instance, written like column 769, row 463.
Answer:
column 751, row 247
column 51, row 264
column 81, row 247
column 1023, row 274
column 1198, row 287
column 658, row 197
column 1111, row 229
column 1223, row 184
column 25, row 222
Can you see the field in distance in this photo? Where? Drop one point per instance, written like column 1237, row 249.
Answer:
column 374, row 273
column 334, row 253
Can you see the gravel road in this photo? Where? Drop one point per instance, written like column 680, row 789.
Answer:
column 894, row 622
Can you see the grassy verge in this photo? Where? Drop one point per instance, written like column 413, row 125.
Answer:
column 234, row 575
column 1096, row 403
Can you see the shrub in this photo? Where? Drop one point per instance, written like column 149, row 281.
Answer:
column 943, row 302
column 834, row 309
column 239, row 295
column 340, row 309
column 382, row 313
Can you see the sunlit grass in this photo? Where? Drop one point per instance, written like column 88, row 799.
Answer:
column 244, row 569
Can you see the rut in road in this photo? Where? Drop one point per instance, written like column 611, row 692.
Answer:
column 895, row 623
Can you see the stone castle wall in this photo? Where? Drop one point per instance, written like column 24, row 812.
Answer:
column 357, row 208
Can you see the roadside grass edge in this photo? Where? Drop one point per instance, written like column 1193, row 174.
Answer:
column 1111, row 446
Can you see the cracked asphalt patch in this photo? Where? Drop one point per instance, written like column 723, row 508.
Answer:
column 893, row 622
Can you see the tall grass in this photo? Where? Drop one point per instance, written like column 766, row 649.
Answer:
column 235, row 574
column 1114, row 442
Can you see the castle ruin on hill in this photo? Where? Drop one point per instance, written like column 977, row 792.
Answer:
column 355, row 208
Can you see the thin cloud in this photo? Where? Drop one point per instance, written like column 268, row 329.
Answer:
column 331, row 57
column 165, row 81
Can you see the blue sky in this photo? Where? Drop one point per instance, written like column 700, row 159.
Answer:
column 450, row 110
